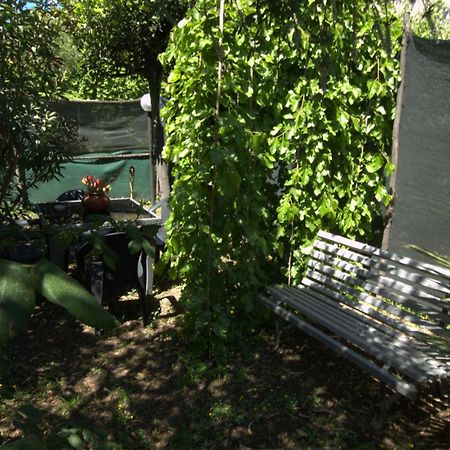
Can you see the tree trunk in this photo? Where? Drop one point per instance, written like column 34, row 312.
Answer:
column 162, row 188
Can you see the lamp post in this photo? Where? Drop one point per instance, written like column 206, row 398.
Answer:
column 146, row 105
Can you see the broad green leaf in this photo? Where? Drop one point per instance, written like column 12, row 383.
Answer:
column 148, row 248
column 343, row 119
column 55, row 285
column 28, row 443
column 135, row 245
column 17, row 298
column 389, row 168
column 323, row 208
column 375, row 164
column 75, row 441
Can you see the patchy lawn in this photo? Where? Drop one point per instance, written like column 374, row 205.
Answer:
column 136, row 388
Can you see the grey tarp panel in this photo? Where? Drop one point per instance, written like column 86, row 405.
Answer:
column 421, row 210
column 112, row 137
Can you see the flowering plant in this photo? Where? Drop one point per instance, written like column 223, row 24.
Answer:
column 95, row 185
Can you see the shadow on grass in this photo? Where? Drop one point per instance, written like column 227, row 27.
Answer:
column 136, row 387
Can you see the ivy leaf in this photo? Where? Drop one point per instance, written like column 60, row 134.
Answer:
column 323, row 208
column 343, row 119
column 375, row 164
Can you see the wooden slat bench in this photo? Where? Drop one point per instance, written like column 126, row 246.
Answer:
column 386, row 313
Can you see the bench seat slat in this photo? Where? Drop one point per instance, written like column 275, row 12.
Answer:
column 353, row 321
column 429, row 345
column 374, row 307
column 394, row 382
column 431, row 269
column 366, row 308
column 346, row 317
column 372, row 268
column 397, row 354
column 325, row 266
column 415, row 362
column 393, row 333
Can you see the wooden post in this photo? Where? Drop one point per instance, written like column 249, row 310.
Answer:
column 395, row 132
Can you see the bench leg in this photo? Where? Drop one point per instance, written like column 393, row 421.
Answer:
column 96, row 275
column 388, row 399
column 277, row 333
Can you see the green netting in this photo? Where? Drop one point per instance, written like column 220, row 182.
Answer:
column 115, row 172
column 112, row 137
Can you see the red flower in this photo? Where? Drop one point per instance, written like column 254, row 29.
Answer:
column 95, row 185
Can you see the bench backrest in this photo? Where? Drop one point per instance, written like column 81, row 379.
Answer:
column 401, row 292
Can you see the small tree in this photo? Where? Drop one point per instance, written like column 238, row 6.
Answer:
column 119, row 38
column 32, row 137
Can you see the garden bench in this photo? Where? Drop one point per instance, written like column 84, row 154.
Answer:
column 386, row 313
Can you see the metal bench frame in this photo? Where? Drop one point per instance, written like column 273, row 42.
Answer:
column 386, row 313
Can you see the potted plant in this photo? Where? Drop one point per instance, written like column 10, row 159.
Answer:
column 96, row 199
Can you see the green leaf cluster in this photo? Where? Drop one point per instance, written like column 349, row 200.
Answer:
column 19, row 284
column 432, row 19
column 32, row 136
column 297, row 139
column 122, row 37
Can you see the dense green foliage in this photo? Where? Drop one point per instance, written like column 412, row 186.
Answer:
column 433, row 22
column 278, row 126
column 32, row 137
column 81, row 82
column 118, row 38
column 122, row 37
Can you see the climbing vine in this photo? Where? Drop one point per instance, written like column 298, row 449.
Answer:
column 299, row 141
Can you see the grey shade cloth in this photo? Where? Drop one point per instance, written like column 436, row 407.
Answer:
column 112, row 138
column 105, row 127
column 421, row 211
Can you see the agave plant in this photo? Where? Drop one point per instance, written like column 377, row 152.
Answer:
column 441, row 259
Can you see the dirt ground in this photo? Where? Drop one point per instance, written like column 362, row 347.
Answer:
column 137, row 389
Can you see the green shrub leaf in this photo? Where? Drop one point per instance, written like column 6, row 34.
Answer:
column 28, row 443
column 55, row 285
column 17, row 298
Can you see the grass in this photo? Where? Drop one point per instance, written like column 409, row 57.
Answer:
column 136, row 389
